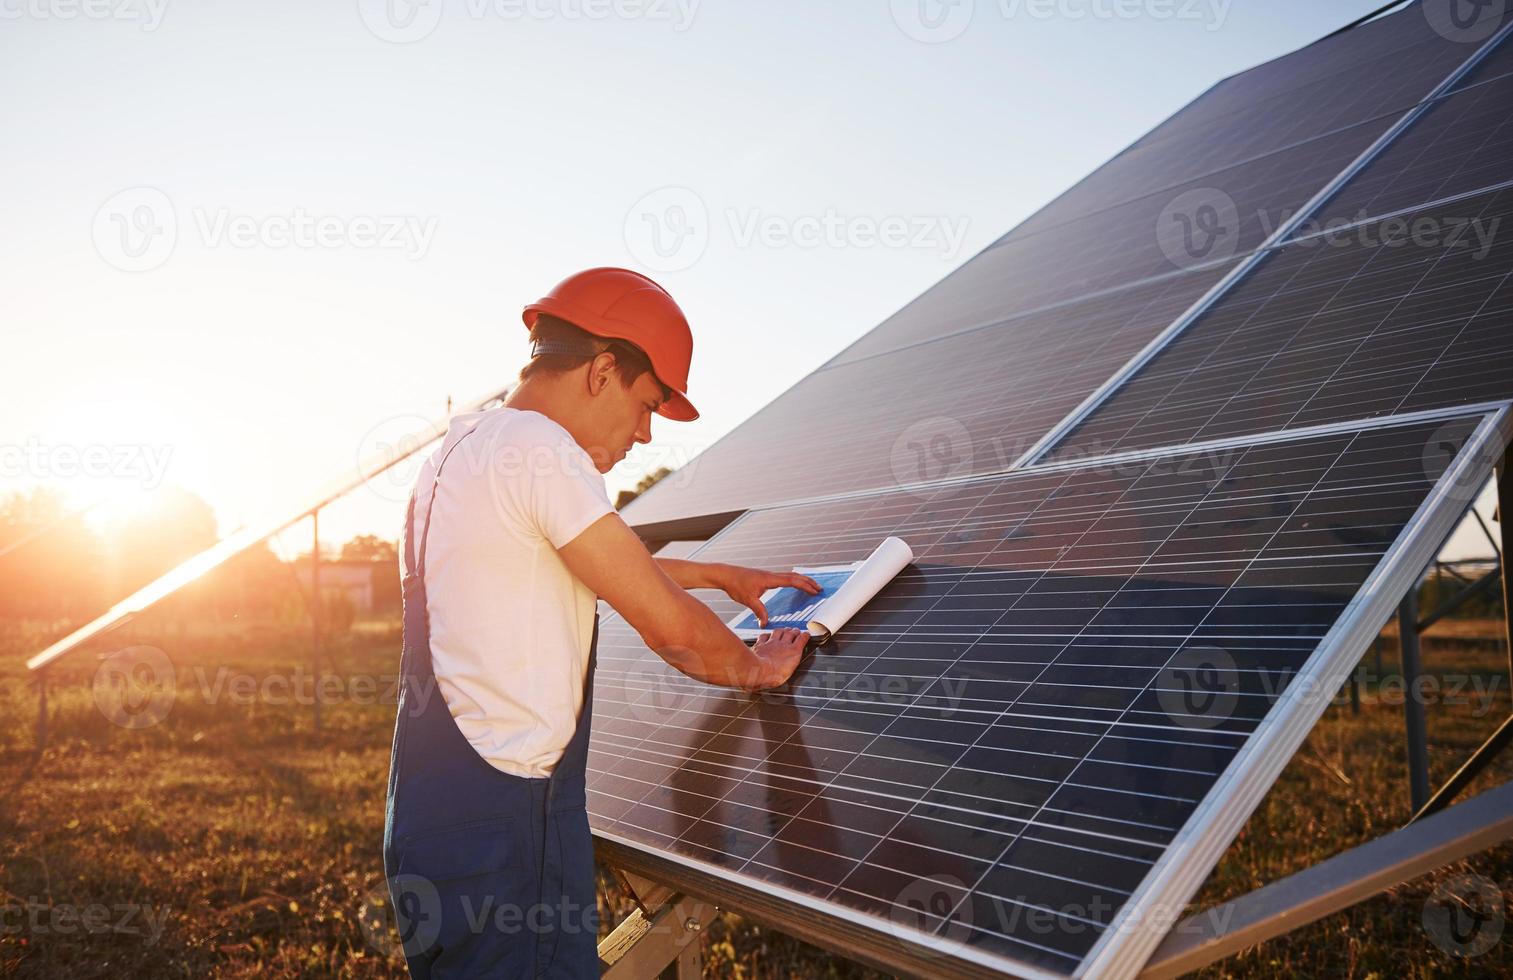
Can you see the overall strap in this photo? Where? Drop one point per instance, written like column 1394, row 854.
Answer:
column 418, row 564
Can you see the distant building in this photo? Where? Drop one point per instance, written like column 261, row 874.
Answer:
column 370, row 586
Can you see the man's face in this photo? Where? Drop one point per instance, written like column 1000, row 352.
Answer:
column 622, row 417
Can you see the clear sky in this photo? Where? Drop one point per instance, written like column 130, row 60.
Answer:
column 248, row 243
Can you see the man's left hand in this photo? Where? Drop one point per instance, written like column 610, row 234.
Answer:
column 746, row 585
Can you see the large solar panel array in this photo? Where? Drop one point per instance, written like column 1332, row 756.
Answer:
column 1010, row 720
column 1055, row 721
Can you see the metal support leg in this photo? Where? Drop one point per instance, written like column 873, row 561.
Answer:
column 315, row 611
column 1336, row 884
column 1413, row 703
column 41, row 713
column 1473, row 766
column 1500, row 738
column 1505, row 524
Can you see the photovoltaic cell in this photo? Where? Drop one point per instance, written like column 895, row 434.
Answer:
column 997, row 750
column 953, row 406
column 1463, row 144
column 1386, row 318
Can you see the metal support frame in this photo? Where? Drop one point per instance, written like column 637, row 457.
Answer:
column 1505, row 523
column 1499, row 739
column 315, row 623
column 41, row 733
column 660, row 938
column 1413, row 704
column 1334, row 885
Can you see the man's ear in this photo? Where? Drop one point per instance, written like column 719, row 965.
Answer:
column 600, row 371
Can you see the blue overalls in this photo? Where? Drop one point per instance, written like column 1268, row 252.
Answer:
column 491, row 874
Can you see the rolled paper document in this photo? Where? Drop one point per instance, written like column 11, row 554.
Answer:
column 876, row 571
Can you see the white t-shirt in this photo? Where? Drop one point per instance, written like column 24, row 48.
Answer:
column 510, row 625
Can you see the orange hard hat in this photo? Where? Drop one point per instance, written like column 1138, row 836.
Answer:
column 626, row 305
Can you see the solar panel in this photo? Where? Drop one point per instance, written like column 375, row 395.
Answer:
column 865, row 423
column 894, row 418
column 1140, row 239
column 996, row 755
column 1372, row 56
column 1377, row 320
column 1042, row 736
column 1463, row 144
column 1174, row 153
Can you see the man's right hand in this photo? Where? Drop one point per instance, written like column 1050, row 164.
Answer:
column 610, row 559
column 778, row 653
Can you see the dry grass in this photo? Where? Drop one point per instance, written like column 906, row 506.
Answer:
column 252, row 842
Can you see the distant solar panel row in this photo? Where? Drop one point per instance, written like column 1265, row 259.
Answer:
column 1408, row 314
column 999, row 748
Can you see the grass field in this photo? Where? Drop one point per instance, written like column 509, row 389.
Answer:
column 231, row 839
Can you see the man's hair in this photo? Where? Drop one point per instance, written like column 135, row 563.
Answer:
column 630, row 361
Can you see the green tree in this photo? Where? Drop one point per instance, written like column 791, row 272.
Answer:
column 645, row 484
column 369, row 547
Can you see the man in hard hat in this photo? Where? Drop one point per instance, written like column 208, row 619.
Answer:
column 510, row 539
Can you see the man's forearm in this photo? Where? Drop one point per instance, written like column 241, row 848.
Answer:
column 693, row 574
column 705, row 649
